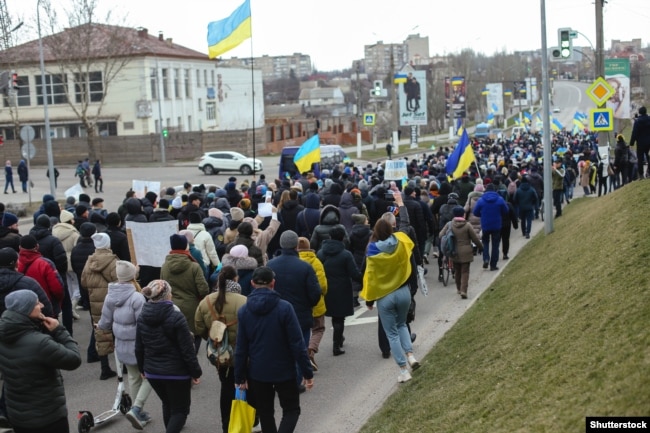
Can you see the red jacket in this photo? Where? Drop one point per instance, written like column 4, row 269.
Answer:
column 32, row 264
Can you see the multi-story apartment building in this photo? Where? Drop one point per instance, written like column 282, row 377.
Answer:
column 275, row 67
column 379, row 56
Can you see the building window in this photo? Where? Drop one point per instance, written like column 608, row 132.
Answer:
column 212, row 78
column 154, row 83
column 129, row 125
column 106, row 129
column 205, row 77
column 88, row 87
column 177, row 86
column 210, row 111
column 200, row 104
column 179, row 124
column 187, row 83
column 55, row 88
column 198, row 78
column 165, row 83
column 189, row 123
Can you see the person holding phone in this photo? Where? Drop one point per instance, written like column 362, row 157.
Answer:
column 27, row 338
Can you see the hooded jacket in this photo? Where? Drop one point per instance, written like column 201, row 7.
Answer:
column 309, row 256
column 32, row 264
column 134, row 211
column 11, row 280
column 51, row 248
column 9, row 238
column 98, row 272
column 120, row 313
column 330, row 217
column 296, row 282
column 269, row 340
column 346, row 210
column 68, row 235
column 641, row 133
column 526, row 198
column 340, row 270
column 188, row 284
column 164, row 347
column 309, row 217
column 465, row 235
column 30, row 360
column 204, row 243
column 491, row 208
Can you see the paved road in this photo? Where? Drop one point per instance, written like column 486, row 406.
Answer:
column 348, row 389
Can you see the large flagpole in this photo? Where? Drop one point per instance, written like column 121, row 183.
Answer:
column 253, row 96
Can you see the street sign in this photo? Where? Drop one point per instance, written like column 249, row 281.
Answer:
column 28, row 150
column 600, row 91
column 369, row 119
column 27, row 133
column 601, row 119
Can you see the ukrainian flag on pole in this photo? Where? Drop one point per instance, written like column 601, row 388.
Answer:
column 461, row 158
column 226, row 34
column 308, row 154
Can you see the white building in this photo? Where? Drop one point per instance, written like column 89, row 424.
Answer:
column 161, row 83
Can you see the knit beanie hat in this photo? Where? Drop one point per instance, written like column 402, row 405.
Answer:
column 126, row 271
column 178, row 242
column 101, row 240
column 28, row 242
column 21, row 301
column 66, row 216
column 8, row 257
column 237, row 214
column 86, row 230
column 239, row 251
column 289, row 239
column 188, row 235
column 303, row 244
column 9, row 219
column 43, row 221
column 458, row 211
column 215, row 213
column 157, row 290
column 245, row 229
column 359, row 218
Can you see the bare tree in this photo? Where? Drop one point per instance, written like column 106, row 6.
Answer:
column 89, row 56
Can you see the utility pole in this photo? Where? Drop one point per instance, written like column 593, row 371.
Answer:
column 600, row 41
column 393, row 99
column 358, row 112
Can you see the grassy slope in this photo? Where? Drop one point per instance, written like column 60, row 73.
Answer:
column 563, row 333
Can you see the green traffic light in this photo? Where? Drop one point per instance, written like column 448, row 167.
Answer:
column 165, row 133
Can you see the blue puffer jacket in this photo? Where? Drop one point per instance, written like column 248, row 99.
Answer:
column 491, row 208
column 164, row 346
column 269, row 340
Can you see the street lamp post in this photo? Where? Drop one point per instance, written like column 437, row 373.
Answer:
column 48, row 138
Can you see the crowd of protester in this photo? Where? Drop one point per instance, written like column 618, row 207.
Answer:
column 329, row 244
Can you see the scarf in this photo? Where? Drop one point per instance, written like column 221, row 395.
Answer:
column 183, row 252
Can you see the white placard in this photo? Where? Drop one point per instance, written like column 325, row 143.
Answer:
column 74, row 191
column 151, row 241
column 264, row 209
column 142, row 187
column 395, row 169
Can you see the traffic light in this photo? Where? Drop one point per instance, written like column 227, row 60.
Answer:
column 377, row 88
column 565, row 43
column 14, row 80
column 165, row 133
column 2, row 140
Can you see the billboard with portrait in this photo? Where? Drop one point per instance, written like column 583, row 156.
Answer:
column 413, row 99
column 455, row 97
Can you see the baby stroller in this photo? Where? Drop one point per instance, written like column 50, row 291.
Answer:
column 122, row 404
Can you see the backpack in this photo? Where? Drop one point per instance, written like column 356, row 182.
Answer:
column 448, row 242
column 219, row 350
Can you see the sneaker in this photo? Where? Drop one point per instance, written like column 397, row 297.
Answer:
column 425, row 260
column 404, row 376
column 505, row 257
column 134, row 417
column 485, row 265
column 413, row 362
column 257, row 427
column 144, row 416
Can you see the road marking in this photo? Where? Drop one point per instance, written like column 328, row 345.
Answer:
column 355, row 319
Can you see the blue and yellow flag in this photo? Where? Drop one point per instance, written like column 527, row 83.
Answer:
column 461, row 158
column 308, row 154
column 226, row 34
column 459, row 127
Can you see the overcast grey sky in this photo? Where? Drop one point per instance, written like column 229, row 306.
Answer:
column 334, row 32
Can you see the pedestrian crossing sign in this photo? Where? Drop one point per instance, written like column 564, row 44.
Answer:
column 601, row 119
column 369, row 119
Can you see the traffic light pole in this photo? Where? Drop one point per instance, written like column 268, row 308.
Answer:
column 48, row 137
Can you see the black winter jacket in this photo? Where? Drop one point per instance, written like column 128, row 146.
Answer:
column 51, row 248
column 164, row 345
column 296, row 282
column 79, row 256
column 30, row 359
column 340, row 270
column 330, row 217
column 11, row 280
column 119, row 243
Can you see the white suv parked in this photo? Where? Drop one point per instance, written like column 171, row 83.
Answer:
column 214, row 162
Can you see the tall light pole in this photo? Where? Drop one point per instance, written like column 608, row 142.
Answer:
column 546, row 136
column 48, row 138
